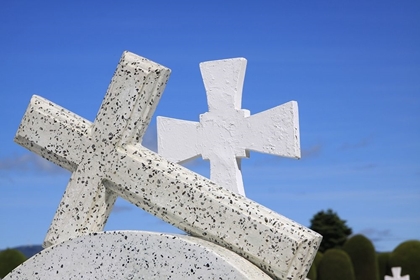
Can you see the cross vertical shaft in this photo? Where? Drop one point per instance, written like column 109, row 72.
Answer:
column 107, row 159
column 86, row 148
column 227, row 133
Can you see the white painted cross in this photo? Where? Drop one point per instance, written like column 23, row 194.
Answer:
column 396, row 275
column 107, row 160
column 226, row 133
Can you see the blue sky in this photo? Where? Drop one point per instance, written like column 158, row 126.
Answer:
column 353, row 67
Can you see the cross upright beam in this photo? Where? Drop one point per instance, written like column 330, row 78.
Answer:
column 84, row 148
column 226, row 133
column 396, row 274
column 108, row 160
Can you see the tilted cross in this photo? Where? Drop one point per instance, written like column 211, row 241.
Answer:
column 396, row 275
column 226, row 133
column 87, row 149
column 107, row 160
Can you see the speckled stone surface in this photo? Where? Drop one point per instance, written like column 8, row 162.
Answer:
column 88, row 149
column 226, row 133
column 136, row 255
column 107, row 160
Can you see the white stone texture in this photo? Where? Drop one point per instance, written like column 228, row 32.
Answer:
column 87, row 149
column 396, row 275
column 107, row 160
column 136, row 255
column 226, row 133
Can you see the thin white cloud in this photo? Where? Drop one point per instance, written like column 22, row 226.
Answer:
column 121, row 208
column 30, row 162
column 356, row 145
column 150, row 138
column 366, row 166
column 343, row 194
column 376, row 235
column 312, row 151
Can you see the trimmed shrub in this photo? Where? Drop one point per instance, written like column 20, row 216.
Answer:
column 407, row 255
column 9, row 260
column 383, row 264
column 363, row 256
column 313, row 272
column 318, row 258
column 335, row 264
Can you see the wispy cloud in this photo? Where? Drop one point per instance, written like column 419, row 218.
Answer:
column 30, row 162
column 150, row 138
column 196, row 162
column 345, row 195
column 262, row 161
column 312, row 151
column 382, row 238
column 367, row 166
column 121, row 208
column 356, row 145
column 377, row 235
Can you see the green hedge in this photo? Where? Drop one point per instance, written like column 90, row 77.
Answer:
column 383, row 264
column 407, row 256
column 9, row 260
column 363, row 256
column 313, row 272
column 334, row 265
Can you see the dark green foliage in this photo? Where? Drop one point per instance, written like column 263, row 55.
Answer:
column 312, row 274
column 10, row 259
column 383, row 264
column 363, row 256
column 318, row 258
column 29, row 250
column 334, row 265
column 334, row 231
column 407, row 255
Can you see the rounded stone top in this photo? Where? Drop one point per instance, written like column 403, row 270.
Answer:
column 136, row 255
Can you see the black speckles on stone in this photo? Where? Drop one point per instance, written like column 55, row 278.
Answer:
column 117, row 164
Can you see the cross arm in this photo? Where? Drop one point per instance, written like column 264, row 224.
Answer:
column 281, row 247
column 274, row 131
column 177, row 139
column 42, row 115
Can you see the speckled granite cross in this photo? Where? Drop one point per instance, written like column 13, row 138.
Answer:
column 107, row 160
column 226, row 133
column 89, row 150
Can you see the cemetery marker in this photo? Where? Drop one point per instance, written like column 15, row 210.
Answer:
column 396, row 275
column 107, row 160
column 89, row 150
column 226, row 133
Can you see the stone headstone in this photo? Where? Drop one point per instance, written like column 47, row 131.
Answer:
column 226, row 133
column 107, row 160
column 137, row 255
column 396, row 275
